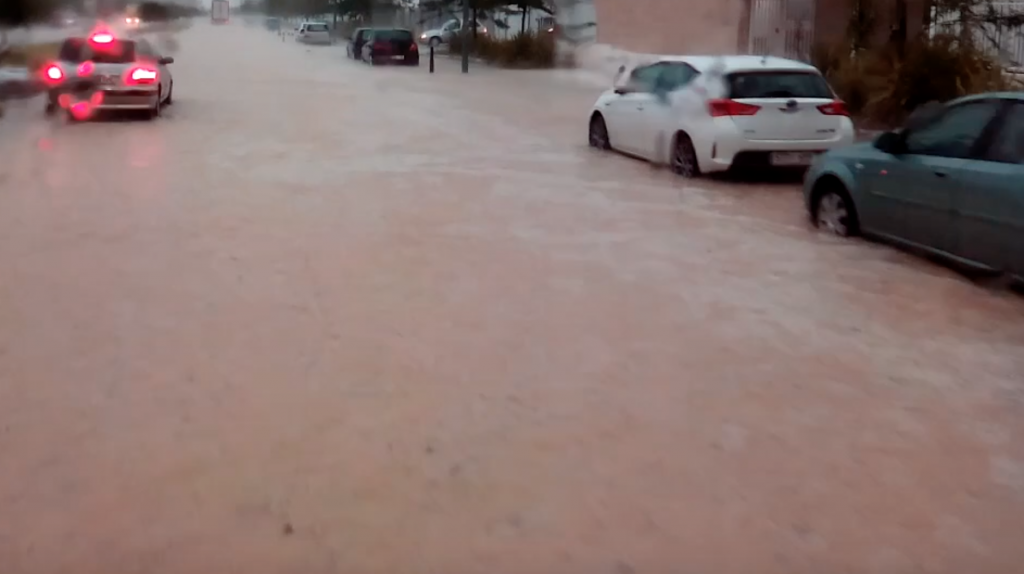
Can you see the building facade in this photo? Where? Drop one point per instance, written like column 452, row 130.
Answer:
column 778, row 27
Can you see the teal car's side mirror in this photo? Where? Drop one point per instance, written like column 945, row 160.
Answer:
column 889, row 142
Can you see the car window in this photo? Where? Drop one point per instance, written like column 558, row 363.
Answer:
column 645, row 77
column 954, row 133
column 781, row 84
column 317, row 28
column 73, row 50
column 394, row 35
column 1008, row 144
column 120, row 52
column 674, row 75
column 77, row 50
column 143, row 48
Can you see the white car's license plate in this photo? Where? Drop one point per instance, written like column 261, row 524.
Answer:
column 108, row 80
column 791, row 158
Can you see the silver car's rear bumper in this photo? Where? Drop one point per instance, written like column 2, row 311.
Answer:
column 128, row 100
column 133, row 99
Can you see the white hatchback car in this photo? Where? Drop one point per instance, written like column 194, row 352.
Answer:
column 704, row 114
column 313, row 33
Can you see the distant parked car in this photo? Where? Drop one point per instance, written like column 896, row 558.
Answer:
column 272, row 24
column 740, row 111
column 951, row 183
column 313, row 33
column 391, row 45
column 354, row 49
column 443, row 34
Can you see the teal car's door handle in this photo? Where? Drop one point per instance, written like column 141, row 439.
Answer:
column 941, row 173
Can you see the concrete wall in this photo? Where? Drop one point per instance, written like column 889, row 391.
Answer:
column 670, row 26
column 718, row 26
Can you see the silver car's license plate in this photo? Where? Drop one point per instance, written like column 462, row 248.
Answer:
column 791, row 158
column 108, row 80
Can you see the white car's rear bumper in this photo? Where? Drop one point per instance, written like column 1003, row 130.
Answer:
column 730, row 147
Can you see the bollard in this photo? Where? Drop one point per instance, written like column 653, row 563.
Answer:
column 431, row 58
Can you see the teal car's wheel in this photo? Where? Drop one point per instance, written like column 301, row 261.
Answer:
column 834, row 210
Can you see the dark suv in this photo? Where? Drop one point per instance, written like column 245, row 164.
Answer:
column 391, row 45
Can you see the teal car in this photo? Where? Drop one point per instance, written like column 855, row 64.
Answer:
column 950, row 183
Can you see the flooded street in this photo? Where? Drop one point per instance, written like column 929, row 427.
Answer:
column 321, row 317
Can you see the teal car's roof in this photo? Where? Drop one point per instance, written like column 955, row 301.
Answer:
column 1019, row 96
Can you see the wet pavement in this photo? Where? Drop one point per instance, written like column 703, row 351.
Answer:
column 326, row 318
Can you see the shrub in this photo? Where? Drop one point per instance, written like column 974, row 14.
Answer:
column 524, row 50
column 33, row 56
column 883, row 87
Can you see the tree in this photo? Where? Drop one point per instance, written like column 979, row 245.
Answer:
column 483, row 8
column 365, row 9
column 974, row 20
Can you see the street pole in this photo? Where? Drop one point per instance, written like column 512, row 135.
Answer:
column 466, row 36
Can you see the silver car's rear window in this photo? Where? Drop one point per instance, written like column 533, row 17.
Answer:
column 780, row 84
column 316, row 28
column 79, row 50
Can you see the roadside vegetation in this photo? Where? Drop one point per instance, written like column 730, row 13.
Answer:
column 957, row 54
column 523, row 50
column 30, row 55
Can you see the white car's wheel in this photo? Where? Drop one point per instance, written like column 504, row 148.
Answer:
column 684, row 157
column 598, row 135
column 435, row 42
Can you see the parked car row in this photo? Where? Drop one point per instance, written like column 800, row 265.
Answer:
column 950, row 183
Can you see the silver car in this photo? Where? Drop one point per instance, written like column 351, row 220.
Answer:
column 313, row 33
column 103, row 72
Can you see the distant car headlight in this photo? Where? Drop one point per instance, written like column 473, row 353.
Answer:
column 423, row 36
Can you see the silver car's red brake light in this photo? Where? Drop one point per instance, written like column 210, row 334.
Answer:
column 142, row 76
column 54, row 73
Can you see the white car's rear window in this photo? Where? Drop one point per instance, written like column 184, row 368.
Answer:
column 778, row 84
column 316, row 28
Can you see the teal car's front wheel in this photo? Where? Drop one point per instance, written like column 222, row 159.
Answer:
column 834, row 210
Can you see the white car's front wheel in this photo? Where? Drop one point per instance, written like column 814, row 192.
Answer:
column 435, row 42
column 598, row 136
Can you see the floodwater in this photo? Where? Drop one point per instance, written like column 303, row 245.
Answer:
column 322, row 317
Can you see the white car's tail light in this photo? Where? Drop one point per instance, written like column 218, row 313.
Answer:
column 722, row 108
column 836, row 108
